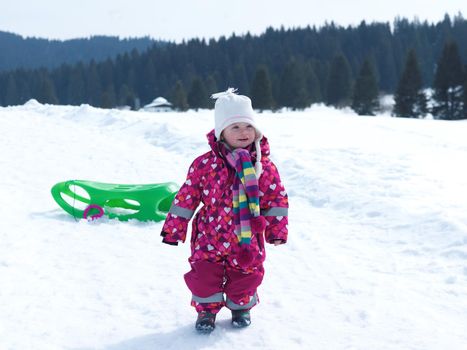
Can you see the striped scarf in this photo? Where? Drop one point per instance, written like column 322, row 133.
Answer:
column 245, row 193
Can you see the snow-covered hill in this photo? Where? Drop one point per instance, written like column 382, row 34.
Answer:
column 377, row 256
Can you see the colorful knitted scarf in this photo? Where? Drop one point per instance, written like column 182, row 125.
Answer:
column 245, row 193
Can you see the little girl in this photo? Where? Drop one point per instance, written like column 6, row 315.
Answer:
column 243, row 205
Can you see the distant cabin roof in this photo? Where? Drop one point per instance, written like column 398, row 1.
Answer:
column 159, row 102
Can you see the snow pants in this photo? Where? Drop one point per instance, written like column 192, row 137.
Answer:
column 208, row 281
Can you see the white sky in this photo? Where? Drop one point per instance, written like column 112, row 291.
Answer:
column 179, row 19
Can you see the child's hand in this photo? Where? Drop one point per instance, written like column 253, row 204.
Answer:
column 278, row 242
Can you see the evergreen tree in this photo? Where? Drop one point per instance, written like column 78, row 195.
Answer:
column 179, row 98
column 448, row 85
column 465, row 92
column 198, row 97
column 60, row 79
column 11, row 95
column 45, row 90
column 131, row 80
column 93, row 85
column 76, row 87
column 108, row 97
column 106, row 73
column 312, row 84
column 2, row 89
column 125, row 96
column 25, row 86
column 240, row 79
column 339, row 89
column 261, row 91
column 410, row 100
column 365, row 97
column 147, row 88
column 293, row 92
column 211, row 85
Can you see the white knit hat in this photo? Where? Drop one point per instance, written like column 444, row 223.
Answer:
column 231, row 108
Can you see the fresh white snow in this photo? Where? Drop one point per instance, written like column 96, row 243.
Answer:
column 377, row 251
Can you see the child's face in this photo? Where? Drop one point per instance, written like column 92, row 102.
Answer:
column 239, row 135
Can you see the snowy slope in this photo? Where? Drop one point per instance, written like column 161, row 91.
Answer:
column 377, row 257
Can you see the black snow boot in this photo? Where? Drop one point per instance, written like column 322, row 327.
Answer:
column 205, row 322
column 241, row 318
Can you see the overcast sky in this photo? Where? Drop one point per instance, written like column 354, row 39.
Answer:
column 182, row 19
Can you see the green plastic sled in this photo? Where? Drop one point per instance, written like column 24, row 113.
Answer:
column 148, row 202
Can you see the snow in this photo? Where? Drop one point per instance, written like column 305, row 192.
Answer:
column 377, row 251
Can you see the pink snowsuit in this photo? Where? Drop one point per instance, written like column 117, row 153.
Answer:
column 214, row 244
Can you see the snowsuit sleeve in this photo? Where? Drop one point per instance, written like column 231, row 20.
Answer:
column 183, row 207
column 274, row 204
